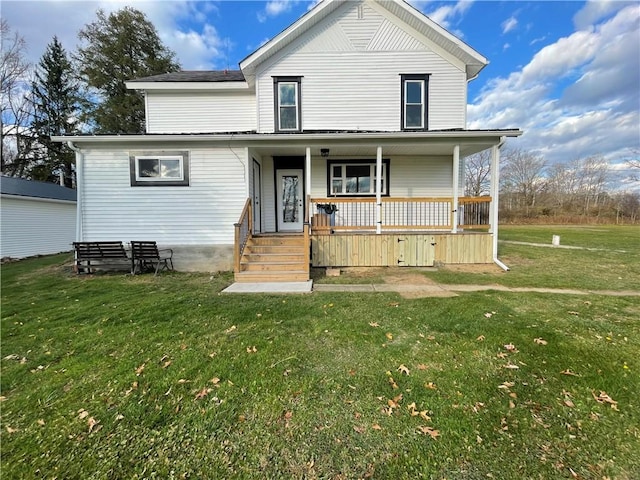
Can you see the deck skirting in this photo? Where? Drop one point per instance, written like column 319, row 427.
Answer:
column 400, row 249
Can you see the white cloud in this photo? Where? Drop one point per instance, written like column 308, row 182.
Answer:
column 509, row 24
column 445, row 15
column 576, row 97
column 595, row 10
column 273, row 8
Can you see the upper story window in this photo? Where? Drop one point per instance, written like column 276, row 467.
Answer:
column 287, row 104
column 356, row 177
column 159, row 168
column 415, row 90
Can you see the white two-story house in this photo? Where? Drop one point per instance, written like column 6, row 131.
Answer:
column 340, row 142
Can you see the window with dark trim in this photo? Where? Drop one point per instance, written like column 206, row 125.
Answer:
column 414, row 94
column 159, row 168
column 355, row 177
column 288, row 111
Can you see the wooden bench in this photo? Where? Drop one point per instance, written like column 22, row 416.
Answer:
column 105, row 255
column 146, row 255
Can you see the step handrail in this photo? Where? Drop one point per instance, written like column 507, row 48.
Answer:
column 242, row 234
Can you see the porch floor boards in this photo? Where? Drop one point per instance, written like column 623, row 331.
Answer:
column 274, row 258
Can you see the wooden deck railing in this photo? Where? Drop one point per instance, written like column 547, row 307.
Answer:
column 425, row 213
column 243, row 230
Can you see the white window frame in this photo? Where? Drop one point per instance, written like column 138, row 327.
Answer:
column 160, row 159
column 372, row 184
column 181, row 156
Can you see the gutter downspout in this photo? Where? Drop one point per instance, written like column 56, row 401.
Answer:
column 495, row 182
column 79, row 187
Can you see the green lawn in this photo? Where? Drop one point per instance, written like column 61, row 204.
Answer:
column 113, row 376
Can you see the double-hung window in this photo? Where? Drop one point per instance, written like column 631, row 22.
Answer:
column 162, row 168
column 356, row 177
column 415, row 89
column 287, row 104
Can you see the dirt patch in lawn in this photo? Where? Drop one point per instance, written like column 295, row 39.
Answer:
column 475, row 268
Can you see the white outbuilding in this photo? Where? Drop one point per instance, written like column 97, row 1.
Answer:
column 37, row 218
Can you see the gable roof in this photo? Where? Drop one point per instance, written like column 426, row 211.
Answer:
column 30, row 188
column 412, row 17
column 195, row 76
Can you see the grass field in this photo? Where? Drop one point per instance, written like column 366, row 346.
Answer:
column 113, row 376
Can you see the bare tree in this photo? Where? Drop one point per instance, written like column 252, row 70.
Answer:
column 522, row 177
column 477, row 174
column 14, row 109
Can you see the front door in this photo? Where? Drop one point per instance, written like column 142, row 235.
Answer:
column 257, row 207
column 290, row 201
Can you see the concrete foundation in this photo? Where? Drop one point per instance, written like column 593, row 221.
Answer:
column 202, row 258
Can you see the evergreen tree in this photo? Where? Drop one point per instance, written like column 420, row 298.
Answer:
column 119, row 47
column 55, row 97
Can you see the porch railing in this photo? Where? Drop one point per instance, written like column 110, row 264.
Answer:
column 427, row 213
column 243, row 230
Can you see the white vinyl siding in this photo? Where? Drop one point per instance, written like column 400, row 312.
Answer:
column 36, row 227
column 201, row 214
column 351, row 75
column 201, row 112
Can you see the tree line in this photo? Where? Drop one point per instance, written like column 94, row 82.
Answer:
column 69, row 94
column 531, row 189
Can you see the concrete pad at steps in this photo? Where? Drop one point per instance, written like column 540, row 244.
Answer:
column 273, row 287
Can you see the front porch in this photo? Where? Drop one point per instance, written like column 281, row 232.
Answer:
column 343, row 233
column 370, row 199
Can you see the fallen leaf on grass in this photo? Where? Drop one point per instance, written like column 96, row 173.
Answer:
column 569, row 372
column 2, row 398
column 252, row 349
column 431, row 386
column 511, row 366
column 183, row 380
column 166, row 364
column 425, row 430
column 93, row 424
column 389, row 335
column 510, row 347
column 40, row 422
column 215, row 381
column 481, row 338
column 11, row 430
column 488, row 314
column 394, row 304
column 375, row 426
column 359, row 428
column 82, row 414
column 140, row 369
column 422, row 366
column 230, row 329
column 403, row 369
column 374, row 324
column 568, row 403
column 506, row 385
column 203, row 393
column 540, row 341
column 573, row 313
column 603, row 397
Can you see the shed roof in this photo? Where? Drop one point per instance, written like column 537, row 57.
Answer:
column 195, row 76
column 31, row 188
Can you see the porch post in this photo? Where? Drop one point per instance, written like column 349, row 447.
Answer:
column 307, row 171
column 495, row 185
column 379, row 191
column 456, row 186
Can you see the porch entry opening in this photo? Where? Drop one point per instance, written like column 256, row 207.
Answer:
column 290, row 200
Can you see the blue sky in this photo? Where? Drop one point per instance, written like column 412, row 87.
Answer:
column 567, row 73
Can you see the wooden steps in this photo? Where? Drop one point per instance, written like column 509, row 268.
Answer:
column 274, row 258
